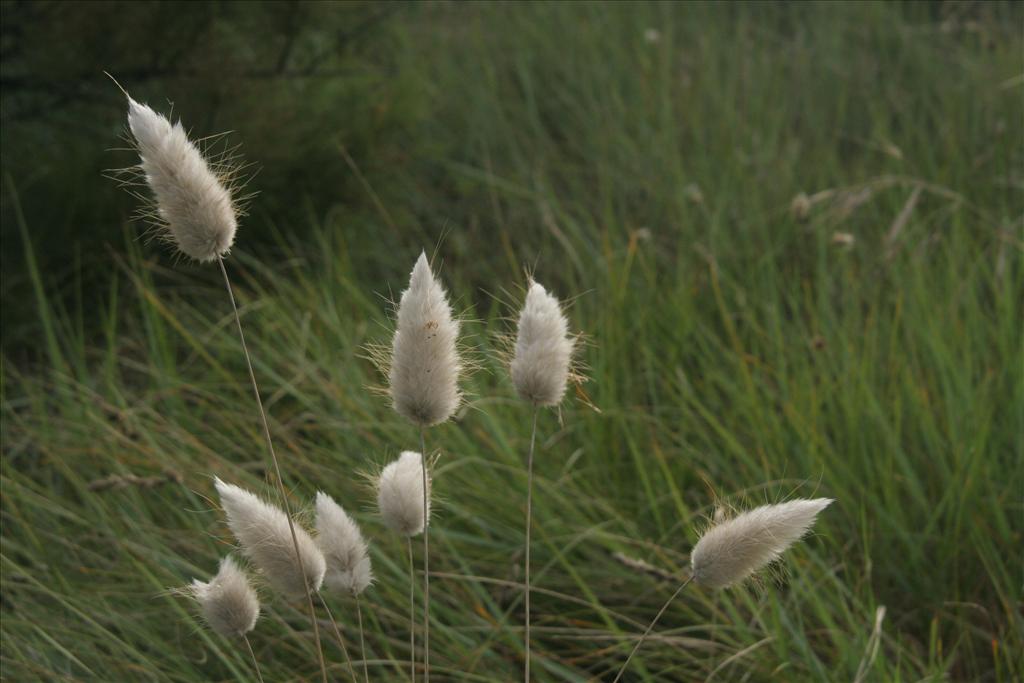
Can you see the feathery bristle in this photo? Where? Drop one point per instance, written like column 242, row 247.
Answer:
column 193, row 203
column 339, row 538
column 228, row 602
column 400, row 494
column 264, row 534
column 425, row 365
column 543, row 351
column 733, row 550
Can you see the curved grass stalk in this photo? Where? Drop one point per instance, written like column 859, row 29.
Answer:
column 650, row 627
column 337, row 633
column 277, row 469
column 426, row 560
column 412, row 614
column 362, row 641
column 255, row 663
column 529, row 517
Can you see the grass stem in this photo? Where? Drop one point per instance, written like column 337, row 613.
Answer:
column 362, row 641
column 277, row 470
column 412, row 613
column 529, row 519
column 255, row 663
column 337, row 633
column 426, row 560
column 651, row 626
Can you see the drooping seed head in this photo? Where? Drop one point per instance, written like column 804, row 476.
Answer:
column 731, row 551
column 400, row 494
column 193, row 204
column 543, row 351
column 339, row 538
column 228, row 602
column 263, row 532
column 425, row 362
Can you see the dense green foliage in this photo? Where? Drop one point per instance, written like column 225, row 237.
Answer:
column 862, row 342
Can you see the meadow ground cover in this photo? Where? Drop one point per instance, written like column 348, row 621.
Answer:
column 791, row 234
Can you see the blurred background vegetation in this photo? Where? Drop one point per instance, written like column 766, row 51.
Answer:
column 378, row 118
column 794, row 231
column 298, row 82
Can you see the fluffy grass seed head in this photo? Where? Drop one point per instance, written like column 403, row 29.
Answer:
column 400, row 494
column 263, row 532
column 339, row 538
column 543, row 349
column 425, row 365
column 227, row 602
column 194, row 205
column 732, row 550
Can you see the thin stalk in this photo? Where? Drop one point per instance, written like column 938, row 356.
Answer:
column 529, row 518
column 337, row 633
column 412, row 613
column 277, row 471
column 651, row 626
column 362, row 643
column 255, row 663
column 426, row 561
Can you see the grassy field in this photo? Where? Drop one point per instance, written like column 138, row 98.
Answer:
column 792, row 235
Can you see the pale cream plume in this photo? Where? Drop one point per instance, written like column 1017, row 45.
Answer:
column 263, row 532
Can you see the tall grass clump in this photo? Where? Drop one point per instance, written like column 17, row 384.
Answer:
column 867, row 339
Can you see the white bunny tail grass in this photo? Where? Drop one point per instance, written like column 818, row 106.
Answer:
column 228, row 602
column 424, row 384
column 197, row 212
column 339, row 538
column 229, row 605
column 265, row 535
column 193, row 202
column 423, row 376
column 425, row 366
column 403, row 498
column 733, row 550
column 400, row 494
column 543, row 350
column 540, row 371
column 282, row 550
column 348, row 564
